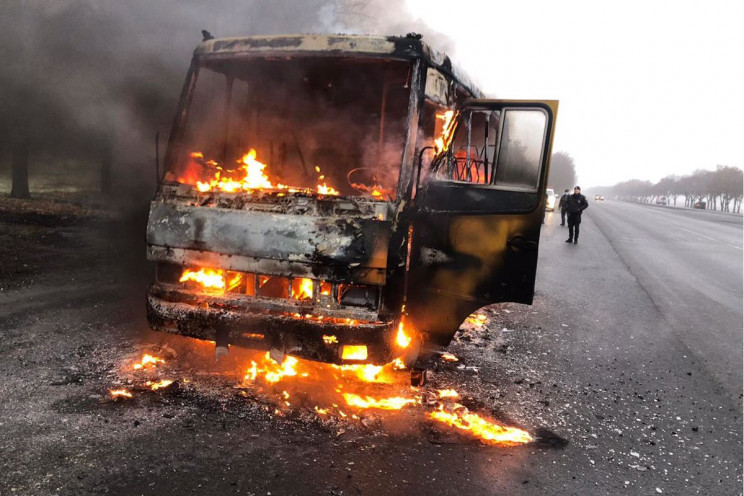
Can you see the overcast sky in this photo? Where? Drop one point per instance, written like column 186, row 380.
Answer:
column 646, row 88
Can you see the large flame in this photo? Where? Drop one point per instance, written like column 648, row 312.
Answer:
column 479, row 427
column 207, row 278
column 249, row 177
column 298, row 378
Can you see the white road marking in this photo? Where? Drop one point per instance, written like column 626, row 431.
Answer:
column 712, row 239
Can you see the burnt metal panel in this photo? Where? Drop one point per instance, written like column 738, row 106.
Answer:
column 274, row 236
column 406, row 47
column 456, row 197
column 298, row 43
column 176, row 312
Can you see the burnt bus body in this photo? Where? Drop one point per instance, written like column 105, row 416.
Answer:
column 396, row 210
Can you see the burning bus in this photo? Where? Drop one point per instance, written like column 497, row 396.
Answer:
column 342, row 198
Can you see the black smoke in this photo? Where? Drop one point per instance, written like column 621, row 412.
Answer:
column 86, row 79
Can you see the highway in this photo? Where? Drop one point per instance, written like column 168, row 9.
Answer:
column 690, row 264
column 626, row 370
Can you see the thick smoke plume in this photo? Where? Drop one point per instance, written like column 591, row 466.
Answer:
column 86, row 79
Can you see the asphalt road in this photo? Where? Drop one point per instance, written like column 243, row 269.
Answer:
column 617, row 395
column 690, row 264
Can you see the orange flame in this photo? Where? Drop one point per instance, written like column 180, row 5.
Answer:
column 402, row 339
column 479, row 427
column 449, row 357
column 158, row 385
column 148, row 360
column 394, row 403
column 207, row 278
column 120, row 393
column 366, row 373
column 353, row 352
column 477, row 320
column 448, row 393
column 304, row 291
column 448, row 125
column 271, row 371
column 399, row 364
column 254, row 178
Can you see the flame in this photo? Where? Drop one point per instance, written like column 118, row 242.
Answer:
column 477, row 320
column 402, row 339
column 160, row 384
column 449, row 357
column 330, row 339
column 272, row 372
column 305, row 290
column 442, row 408
column 207, row 278
column 253, row 178
column 235, row 282
column 394, row 403
column 448, row 125
column 120, row 393
column 399, row 364
column 448, row 393
column 366, row 372
column 353, row 352
column 147, row 360
column 480, row 427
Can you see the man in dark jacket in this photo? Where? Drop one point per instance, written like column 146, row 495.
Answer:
column 575, row 204
column 562, row 205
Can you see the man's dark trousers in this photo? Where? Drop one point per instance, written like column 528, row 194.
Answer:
column 574, row 220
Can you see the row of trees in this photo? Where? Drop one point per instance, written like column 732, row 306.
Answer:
column 717, row 188
column 562, row 172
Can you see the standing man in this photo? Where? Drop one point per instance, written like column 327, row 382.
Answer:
column 575, row 204
column 562, row 205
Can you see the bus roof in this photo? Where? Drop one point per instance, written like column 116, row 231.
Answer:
column 405, row 47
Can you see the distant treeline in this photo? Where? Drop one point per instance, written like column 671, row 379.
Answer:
column 715, row 189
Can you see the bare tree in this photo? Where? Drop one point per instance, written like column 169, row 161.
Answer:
column 562, row 171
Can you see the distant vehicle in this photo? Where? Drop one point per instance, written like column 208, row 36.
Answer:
column 598, row 198
column 700, row 205
column 550, row 203
column 661, row 200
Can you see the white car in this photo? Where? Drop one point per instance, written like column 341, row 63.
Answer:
column 550, row 203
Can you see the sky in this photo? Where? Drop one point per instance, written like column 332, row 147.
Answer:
column 646, row 88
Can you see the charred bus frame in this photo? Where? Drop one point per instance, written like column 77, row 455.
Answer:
column 373, row 262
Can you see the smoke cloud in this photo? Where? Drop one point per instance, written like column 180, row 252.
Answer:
column 83, row 77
